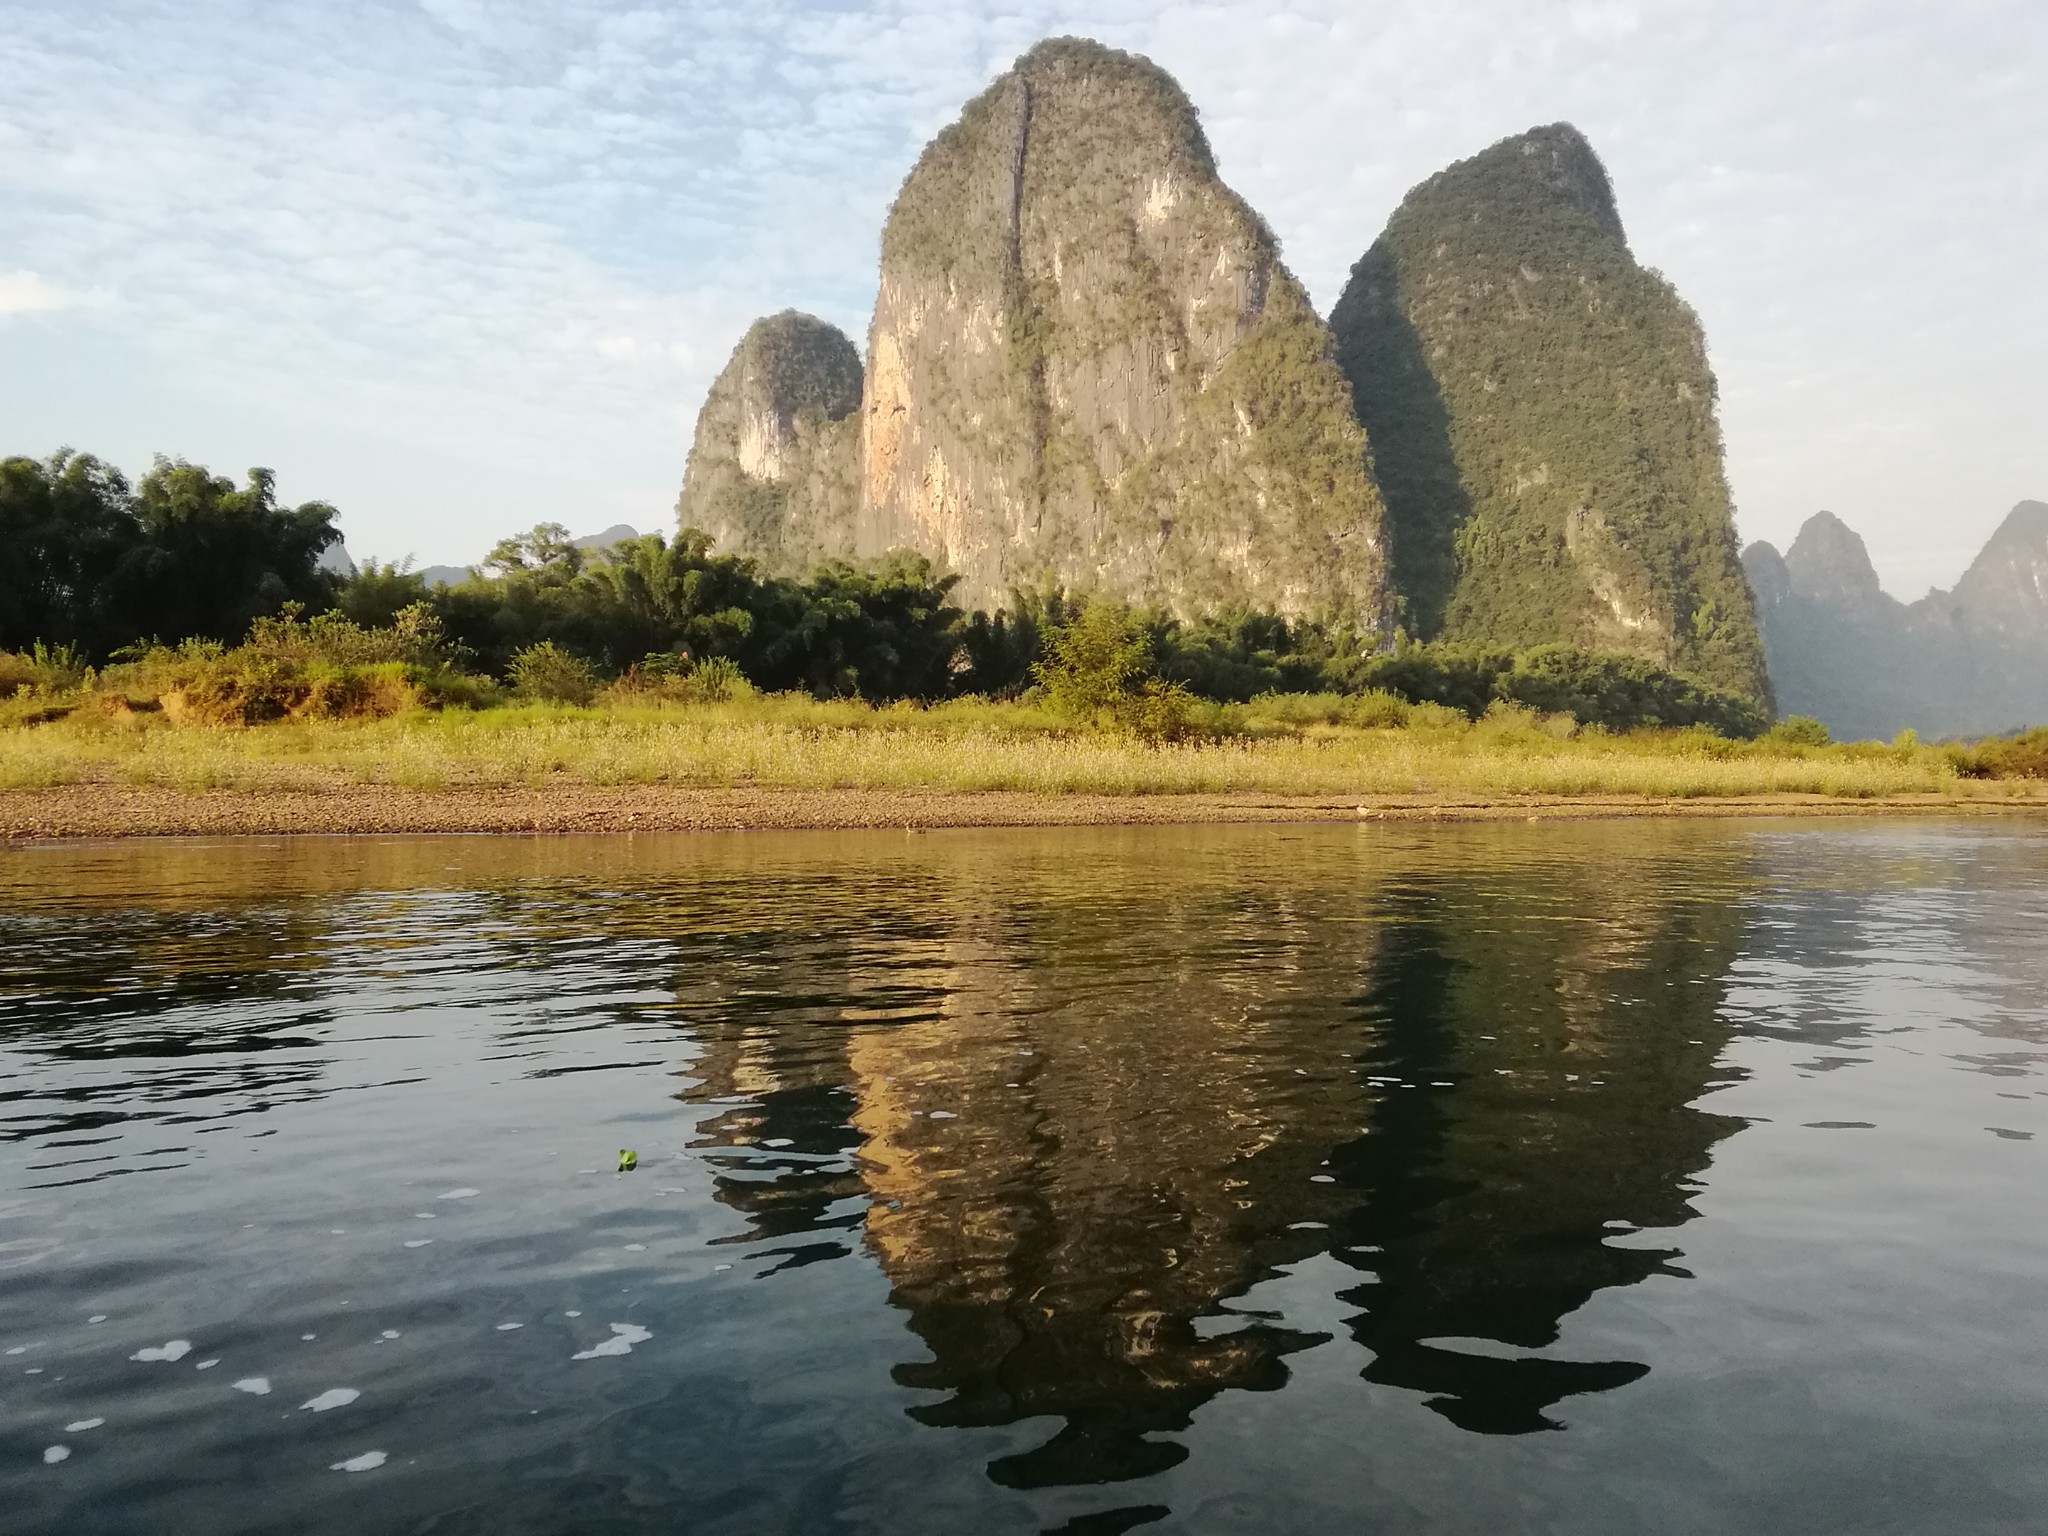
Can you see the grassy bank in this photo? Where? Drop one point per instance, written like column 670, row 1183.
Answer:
column 1289, row 745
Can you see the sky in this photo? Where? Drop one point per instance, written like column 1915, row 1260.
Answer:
column 461, row 266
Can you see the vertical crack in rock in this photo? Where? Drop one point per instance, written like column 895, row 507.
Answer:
column 1088, row 366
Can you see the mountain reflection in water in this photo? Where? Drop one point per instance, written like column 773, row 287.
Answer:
column 1212, row 1180
column 1072, row 1123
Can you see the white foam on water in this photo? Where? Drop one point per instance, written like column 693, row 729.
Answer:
column 34, row 1370
column 177, row 1349
column 390, row 1333
column 82, row 1425
column 307, row 1338
column 369, row 1461
column 56, row 1453
column 624, row 1337
column 333, row 1397
column 422, row 1215
column 206, row 1365
column 778, row 1141
column 418, row 1242
column 19, row 1349
column 337, row 1232
column 465, row 1193
column 572, row 1314
column 255, row 1386
column 636, row 1247
column 508, row 1327
column 97, row 1317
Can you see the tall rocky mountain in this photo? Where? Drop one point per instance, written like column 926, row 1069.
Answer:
column 1087, row 368
column 1965, row 662
column 1542, row 420
column 773, row 472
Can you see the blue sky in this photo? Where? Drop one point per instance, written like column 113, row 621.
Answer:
column 459, row 266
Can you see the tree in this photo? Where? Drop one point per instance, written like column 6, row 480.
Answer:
column 67, row 524
column 213, row 558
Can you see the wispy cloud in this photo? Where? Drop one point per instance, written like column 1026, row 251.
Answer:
column 26, row 293
column 473, row 262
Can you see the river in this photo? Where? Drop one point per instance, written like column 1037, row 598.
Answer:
column 1576, row 1178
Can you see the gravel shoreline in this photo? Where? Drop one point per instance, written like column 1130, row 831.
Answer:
column 114, row 811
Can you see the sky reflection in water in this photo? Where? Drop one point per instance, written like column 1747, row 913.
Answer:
column 1608, row 1177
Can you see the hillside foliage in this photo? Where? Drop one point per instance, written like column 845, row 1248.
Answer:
column 1542, row 419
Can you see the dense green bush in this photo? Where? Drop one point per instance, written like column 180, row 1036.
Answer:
column 552, row 675
column 2024, row 756
column 1098, row 670
column 290, row 666
column 1799, row 731
column 42, row 669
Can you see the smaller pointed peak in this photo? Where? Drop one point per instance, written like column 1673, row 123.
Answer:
column 1769, row 581
column 2025, row 523
column 1830, row 562
column 797, row 361
column 1552, row 164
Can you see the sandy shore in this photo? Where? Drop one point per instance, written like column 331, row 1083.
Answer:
column 107, row 810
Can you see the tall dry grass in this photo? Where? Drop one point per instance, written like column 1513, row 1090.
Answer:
column 1292, row 746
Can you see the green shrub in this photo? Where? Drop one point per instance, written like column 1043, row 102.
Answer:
column 552, row 675
column 665, row 676
column 1098, row 671
column 2024, row 756
column 43, row 670
column 1798, row 731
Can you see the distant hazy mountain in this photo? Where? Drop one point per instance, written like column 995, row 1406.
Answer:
column 1960, row 663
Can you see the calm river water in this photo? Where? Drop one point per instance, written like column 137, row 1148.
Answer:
column 1625, row 1177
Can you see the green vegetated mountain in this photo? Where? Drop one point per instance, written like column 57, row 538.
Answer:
column 773, row 472
column 1542, row 419
column 1088, row 367
column 1969, row 661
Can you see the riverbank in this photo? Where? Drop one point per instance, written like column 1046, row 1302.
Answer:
column 76, row 811
column 794, row 762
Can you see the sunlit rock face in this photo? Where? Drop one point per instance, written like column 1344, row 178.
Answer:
column 772, row 472
column 1088, row 366
column 1966, row 662
column 1543, row 423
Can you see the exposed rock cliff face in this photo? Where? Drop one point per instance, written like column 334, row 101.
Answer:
column 1542, row 420
column 773, row 472
column 1089, row 367
column 1964, row 663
